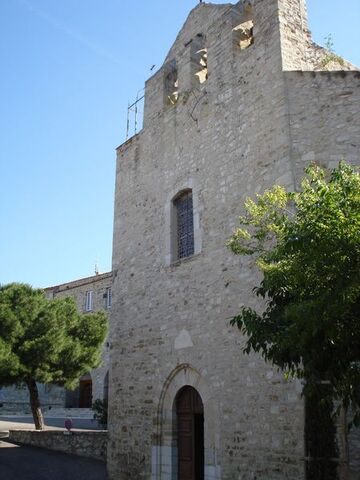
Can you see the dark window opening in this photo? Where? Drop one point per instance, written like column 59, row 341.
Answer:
column 199, row 445
column 106, row 388
column 108, row 297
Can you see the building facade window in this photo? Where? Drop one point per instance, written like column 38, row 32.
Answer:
column 108, row 297
column 182, row 222
column 184, row 225
column 88, row 301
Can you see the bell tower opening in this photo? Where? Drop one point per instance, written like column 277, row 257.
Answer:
column 190, row 434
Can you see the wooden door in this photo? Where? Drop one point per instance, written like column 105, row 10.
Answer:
column 190, row 423
column 85, row 394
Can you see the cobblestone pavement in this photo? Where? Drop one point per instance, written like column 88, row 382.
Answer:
column 30, row 463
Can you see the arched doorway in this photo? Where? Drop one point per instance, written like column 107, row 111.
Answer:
column 190, row 434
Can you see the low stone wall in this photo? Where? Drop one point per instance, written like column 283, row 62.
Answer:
column 86, row 444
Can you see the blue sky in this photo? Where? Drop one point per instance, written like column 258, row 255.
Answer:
column 68, row 70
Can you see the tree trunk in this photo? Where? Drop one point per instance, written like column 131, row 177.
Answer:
column 322, row 453
column 35, row 404
column 342, row 433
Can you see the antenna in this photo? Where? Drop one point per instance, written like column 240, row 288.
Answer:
column 128, row 122
column 133, row 109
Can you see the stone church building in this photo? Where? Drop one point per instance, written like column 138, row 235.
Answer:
column 244, row 100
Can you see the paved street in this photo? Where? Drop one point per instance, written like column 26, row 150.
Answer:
column 29, row 463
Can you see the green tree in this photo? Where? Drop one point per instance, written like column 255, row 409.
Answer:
column 307, row 246
column 46, row 341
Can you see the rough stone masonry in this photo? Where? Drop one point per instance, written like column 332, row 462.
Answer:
column 243, row 100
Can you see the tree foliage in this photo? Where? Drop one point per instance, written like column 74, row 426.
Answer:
column 307, row 245
column 46, row 341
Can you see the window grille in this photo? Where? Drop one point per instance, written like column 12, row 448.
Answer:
column 185, row 225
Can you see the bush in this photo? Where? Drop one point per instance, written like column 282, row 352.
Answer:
column 100, row 408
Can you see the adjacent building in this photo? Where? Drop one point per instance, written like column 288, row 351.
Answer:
column 91, row 294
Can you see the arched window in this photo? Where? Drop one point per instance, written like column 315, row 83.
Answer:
column 183, row 225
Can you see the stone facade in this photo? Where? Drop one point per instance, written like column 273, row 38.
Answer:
column 267, row 106
column 16, row 399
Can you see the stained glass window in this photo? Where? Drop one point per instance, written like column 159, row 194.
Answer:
column 185, row 224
